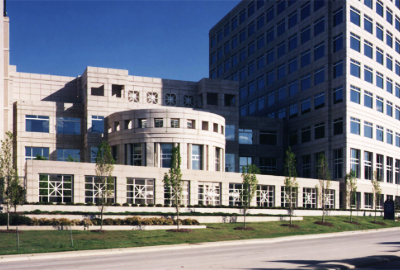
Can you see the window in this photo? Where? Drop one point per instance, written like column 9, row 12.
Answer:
column 338, row 126
column 95, row 186
column 281, row 71
column 305, row 134
column 141, row 191
column 379, row 80
column 389, row 136
column 197, row 157
column 242, row 74
column 355, row 162
column 355, row 16
column 368, row 24
column 338, row 43
column 229, row 162
column 355, row 94
column 252, row 87
column 227, row 47
column 379, row 104
column 309, row 197
column 251, row 29
column 242, row 55
column 305, row 35
column 234, row 42
column 152, row 98
column 319, row 26
column 260, row 22
column 368, row 129
column 260, row 103
column 230, row 132
column 219, row 53
column 252, row 107
column 245, row 136
column 292, row 21
column 97, row 124
column 270, row 14
column 243, row 162
column 379, row 7
column 306, row 166
column 319, row 130
column 397, row 68
column 397, row 174
column 175, row 123
column 169, row 194
column 260, row 83
column 56, row 188
column 170, row 99
column 293, row 138
column 368, row 51
column 270, row 77
column 37, row 123
column 305, row 58
column 368, row 3
column 337, row 17
column 260, row 62
column 368, row 99
column 260, row 42
column 227, row 65
column 368, row 175
column 368, row 200
column 368, row 74
column 319, row 76
column 379, row 31
column 280, row 29
column 281, row 49
column 72, row 155
column 355, row 126
column 389, row 62
column 355, row 42
column 268, row 137
column 305, row 11
column 68, row 125
column 158, row 122
column 338, row 163
column 389, row 39
column 379, row 133
column 305, row 82
column 242, row 16
column 285, row 197
column 270, row 35
column 281, row 93
column 338, row 69
column 397, row 113
column 209, row 193
column 389, row 85
column 265, row 195
column 270, row 56
column 337, row 95
column 292, row 65
column 319, row 100
column 292, row 88
column 355, row 68
column 379, row 167
column 319, row 51
column 305, row 106
column 32, row 152
column 293, row 42
column 251, row 68
column 293, row 111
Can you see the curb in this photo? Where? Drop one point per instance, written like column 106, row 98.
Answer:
column 87, row 253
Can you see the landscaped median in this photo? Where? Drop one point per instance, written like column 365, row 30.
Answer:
column 54, row 240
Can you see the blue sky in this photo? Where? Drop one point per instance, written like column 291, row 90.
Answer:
column 165, row 39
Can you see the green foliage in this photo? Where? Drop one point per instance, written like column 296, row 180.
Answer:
column 290, row 182
column 324, row 176
column 249, row 187
column 351, row 190
column 71, row 159
column 376, row 191
column 39, row 157
column 173, row 179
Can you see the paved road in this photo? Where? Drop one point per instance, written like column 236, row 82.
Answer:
column 323, row 253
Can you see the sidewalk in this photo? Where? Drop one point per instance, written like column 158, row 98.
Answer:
column 86, row 253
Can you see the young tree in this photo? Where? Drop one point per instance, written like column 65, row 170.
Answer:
column 173, row 180
column 351, row 190
column 249, row 187
column 324, row 176
column 39, row 157
column 376, row 191
column 104, row 168
column 10, row 189
column 291, row 184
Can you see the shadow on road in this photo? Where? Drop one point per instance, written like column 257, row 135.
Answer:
column 341, row 264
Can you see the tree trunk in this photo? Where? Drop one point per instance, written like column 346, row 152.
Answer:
column 101, row 218
column 290, row 213
column 323, row 206
column 8, row 218
column 244, row 219
column 177, row 220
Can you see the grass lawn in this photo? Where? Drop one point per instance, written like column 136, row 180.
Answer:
column 53, row 241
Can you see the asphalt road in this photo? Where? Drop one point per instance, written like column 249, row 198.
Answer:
column 362, row 250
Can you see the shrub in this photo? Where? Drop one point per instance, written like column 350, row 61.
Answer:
column 134, row 204
column 125, row 204
column 108, row 221
column 168, row 221
column 167, row 205
column 96, row 221
column 157, row 221
column 180, row 222
column 146, row 221
column 75, row 222
column 65, row 221
column 69, row 203
column 159, row 205
column 116, row 204
column 187, row 221
column 86, row 222
column 143, row 205
column 150, row 205
column 44, row 221
column 117, row 221
column 79, row 203
column 133, row 221
column 89, row 204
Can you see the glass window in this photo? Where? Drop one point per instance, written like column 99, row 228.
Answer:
column 337, row 17
column 281, row 93
column 230, row 132
column 355, row 42
column 270, row 56
column 293, row 111
column 355, row 94
column 245, row 136
column 368, row 74
column 281, row 71
column 389, row 108
column 196, row 157
column 37, row 123
column 270, row 35
column 209, row 193
column 355, row 162
column 305, row 134
column 305, row 10
column 166, row 155
column 379, row 31
column 389, row 136
column 379, row 104
column 260, row 42
column 319, row 51
column 389, row 39
column 158, row 122
column 319, row 26
column 337, row 95
column 338, row 43
column 355, row 68
column 139, row 190
column 292, row 88
column 368, row 3
column 32, row 152
column 338, row 126
column 355, row 126
column 389, row 85
column 305, row 82
column 379, row 80
column 319, row 130
column 270, row 77
column 260, row 22
column 229, row 162
column 368, row 99
column 309, row 197
column 368, row 49
column 270, row 14
column 368, row 129
column 280, row 6
column 368, row 165
column 355, row 16
column 55, row 188
column 338, row 163
column 97, row 124
column 379, row 133
column 292, row 21
column 251, row 29
column 305, row 35
column 281, row 49
column 280, row 29
column 266, row 194
column 268, row 137
column 338, row 69
column 72, row 155
column 319, row 76
column 379, row 7
column 319, row 101
column 293, row 42
column 305, row 58
column 368, row 24
column 305, row 106
column 389, row 62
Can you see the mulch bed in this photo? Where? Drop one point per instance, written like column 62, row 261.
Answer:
column 379, row 223
column 291, row 226
column 244, row 228
column 353, row 222
column 180, row 230
column 324, row 223
column 10, row 231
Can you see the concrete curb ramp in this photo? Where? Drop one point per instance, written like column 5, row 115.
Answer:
column 326, row 265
